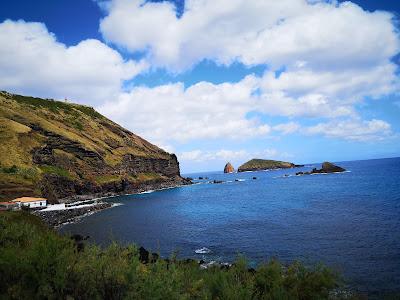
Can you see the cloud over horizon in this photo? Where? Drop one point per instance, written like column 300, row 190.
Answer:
column 323, row 61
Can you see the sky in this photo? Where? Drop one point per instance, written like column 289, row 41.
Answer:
column 218, row 80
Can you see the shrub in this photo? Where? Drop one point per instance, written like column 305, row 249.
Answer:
column 11, row 170
column 37, row 263
column 55, row 170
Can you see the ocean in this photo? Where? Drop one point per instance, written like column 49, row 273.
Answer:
column 349, row 221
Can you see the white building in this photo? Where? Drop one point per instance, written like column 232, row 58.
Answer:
column 31, row 202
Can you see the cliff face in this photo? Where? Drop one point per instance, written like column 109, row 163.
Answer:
column 59, row 150
column 264, row 164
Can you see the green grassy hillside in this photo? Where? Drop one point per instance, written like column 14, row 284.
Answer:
column 73, row 147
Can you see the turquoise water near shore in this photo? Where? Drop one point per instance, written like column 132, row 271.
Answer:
column 349, row 221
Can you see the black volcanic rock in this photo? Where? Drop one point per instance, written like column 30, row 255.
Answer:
column 327, row 167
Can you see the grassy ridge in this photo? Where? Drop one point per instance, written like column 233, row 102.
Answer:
column 37, row 263
column 28, row 124
column 264, row 164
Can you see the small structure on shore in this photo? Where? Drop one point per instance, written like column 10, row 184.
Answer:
column 31, row 202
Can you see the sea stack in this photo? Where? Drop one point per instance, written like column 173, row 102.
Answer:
column 229, row 168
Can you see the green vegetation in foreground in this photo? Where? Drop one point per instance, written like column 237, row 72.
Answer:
column 37, row 263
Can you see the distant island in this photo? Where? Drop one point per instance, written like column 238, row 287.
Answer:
column 266, row 164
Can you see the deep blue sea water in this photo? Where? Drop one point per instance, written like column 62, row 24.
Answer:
column 349, row 221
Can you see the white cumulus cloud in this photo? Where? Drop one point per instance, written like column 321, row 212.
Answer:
column 356, row 130
column 33, row 62
column 287, row 32
column 322, row 57
column 202, row 111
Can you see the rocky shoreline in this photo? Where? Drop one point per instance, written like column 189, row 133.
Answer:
column 57, row 218
column 140, row 188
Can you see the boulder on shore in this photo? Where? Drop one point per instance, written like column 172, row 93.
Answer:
column 229, row 168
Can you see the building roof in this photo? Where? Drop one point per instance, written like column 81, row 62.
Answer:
column 7, row 203
column 28, row 199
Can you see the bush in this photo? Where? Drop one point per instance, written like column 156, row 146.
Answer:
column 11, row 170
column 47, row 169
column 37, row 263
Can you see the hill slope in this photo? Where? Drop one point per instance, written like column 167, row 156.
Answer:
column 57, row 150
column 265, row 164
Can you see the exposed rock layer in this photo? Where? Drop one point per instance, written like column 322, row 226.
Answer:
column 59, row 151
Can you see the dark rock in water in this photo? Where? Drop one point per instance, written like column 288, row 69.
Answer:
column 229, row 168
column 254, row 178
column 217, row 181
column 189, row 178
column 236, row 179
column 200, row 178
column 143, row 255
column 327, row 167
column 201, row 262
column 205, row 177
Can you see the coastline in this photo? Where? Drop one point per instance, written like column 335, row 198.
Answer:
column 59, row 217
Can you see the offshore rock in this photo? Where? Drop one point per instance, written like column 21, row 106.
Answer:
column 229, row 168
column 327, row 167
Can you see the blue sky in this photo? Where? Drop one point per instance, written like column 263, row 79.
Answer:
column 217, row 81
